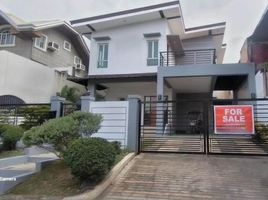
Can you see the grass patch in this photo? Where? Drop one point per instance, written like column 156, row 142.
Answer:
column 7, row 154
column 120, row 156
column 55, row 180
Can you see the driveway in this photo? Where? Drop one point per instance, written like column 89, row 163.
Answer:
column 177, row 176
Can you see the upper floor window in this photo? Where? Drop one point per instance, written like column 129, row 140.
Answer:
column 41, row 42
column 102, row 55
column 67, row 45
column 77, row 60
column 152, row 58
column 6, row 38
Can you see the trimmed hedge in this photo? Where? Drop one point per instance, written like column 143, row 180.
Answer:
column 10, row 136
column 90, row 159
column 62, row 131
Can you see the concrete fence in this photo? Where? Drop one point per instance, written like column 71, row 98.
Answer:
column 120, row 118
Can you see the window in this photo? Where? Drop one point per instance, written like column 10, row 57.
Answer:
column 41, row 42
column 77, row 60
column 6, row 38
column 152, row 59
column 103, row 55
column 67, row 45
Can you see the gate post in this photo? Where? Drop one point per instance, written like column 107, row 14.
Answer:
column 56, row 105
column 85, row 103
column 133, row 134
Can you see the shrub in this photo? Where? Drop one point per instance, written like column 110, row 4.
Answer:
column 90, row 158
column 10, row 136
column 117, row 146
column 261, row 131
column 61, row 132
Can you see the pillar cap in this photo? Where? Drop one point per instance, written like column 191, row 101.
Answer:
column 134, row 97
column 90, row 98
column 57, row 98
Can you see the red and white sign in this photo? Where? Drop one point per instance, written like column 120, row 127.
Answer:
column 234, row 119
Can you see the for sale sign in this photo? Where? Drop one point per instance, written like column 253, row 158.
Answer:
column 232, row 119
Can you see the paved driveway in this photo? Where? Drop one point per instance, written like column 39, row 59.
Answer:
column 176, row 176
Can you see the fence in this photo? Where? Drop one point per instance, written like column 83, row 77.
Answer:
column 25, row 115
column 68, row 108
column 114, row 126
column 187, row 126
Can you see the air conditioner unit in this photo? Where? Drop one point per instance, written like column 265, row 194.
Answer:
column 53, row 46
column 80, row 67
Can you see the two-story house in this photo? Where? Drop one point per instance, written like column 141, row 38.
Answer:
column 37, row 58
column 149, row 52
column 255, row 50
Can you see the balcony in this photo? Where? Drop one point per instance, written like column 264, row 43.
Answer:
column 187, row 57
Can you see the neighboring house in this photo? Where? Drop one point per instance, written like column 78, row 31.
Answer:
column 255, row 50
column 43, row 55
column 149, row 52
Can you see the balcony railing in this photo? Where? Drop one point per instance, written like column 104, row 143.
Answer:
column 188, row 57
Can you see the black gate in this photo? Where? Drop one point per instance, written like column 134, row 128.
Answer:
column 241, row 144
column 173, row 126
column 187, row 126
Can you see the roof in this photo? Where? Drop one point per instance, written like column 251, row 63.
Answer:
column 170, row 11
column 22, row 26
column 260, row 32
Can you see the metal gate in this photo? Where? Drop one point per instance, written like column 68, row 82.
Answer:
column 187, row 126
column 173, row 126
column 241, row 144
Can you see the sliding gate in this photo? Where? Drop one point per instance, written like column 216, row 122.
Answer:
column 238, row 138
column 188, row 126
column 173, row 126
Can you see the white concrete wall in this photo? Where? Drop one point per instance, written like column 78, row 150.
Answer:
column 127, row 48
column 116, row 91
column 260, row 89
column 29, row 80
column 243, row 92
column 114, row 126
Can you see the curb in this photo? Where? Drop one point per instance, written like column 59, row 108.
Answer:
column 99, row 189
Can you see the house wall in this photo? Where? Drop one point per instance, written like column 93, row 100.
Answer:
column 59, row 58
column 260, row 89
column 29, row 80
column 23, row 47
column 198, row 43
column 127, row 48
column 116, row 91
column 243, row 91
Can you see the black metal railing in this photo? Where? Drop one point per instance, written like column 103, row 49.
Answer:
column 241, row 144
column 68, row 108
column 25, row 115
column 187, row 126
column 166, row 127
column 187, row 57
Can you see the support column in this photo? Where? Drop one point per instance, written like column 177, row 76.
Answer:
column 85, row 103
column 252, row 84
column 134, row 114
column 92, row 89
column 56, row 103
column 160, row 106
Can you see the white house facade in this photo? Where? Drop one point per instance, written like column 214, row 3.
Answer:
column 149, row 52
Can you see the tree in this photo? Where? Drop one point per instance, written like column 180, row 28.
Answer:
column 61, row 132
column 70, row 93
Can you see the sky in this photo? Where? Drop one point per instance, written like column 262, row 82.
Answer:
column 241, row 16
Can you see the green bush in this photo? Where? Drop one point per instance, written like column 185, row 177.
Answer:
column 117, row 146
column 261, row 131
column 10, row 136
column 90, row 159
column 61, row 132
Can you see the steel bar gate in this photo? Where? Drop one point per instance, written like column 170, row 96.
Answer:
column 187, row 126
